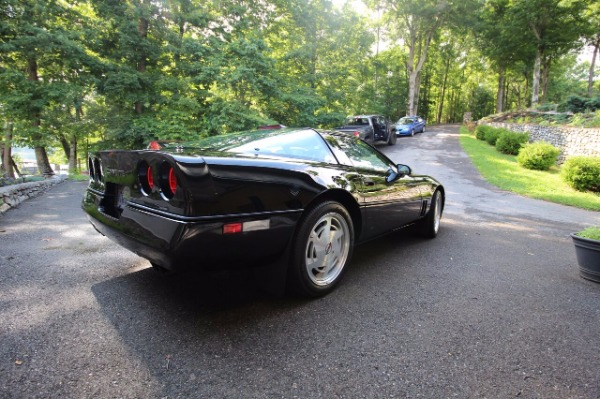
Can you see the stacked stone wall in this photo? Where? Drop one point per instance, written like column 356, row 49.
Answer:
column 572, row 141
column 13, row 195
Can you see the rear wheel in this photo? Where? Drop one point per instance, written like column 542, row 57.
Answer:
column 391, row 138
column 163, row 271
column 430, row 225
column 322, row 248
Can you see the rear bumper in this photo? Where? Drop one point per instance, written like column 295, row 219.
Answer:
column 176, row 243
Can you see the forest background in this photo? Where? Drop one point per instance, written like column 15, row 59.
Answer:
column 77, row 75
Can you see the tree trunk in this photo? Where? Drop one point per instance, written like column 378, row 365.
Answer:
column 593, row 66
column 535, row 88
column 500, row 94
column 441, row 107
column 545, row 78
column 15, row 167
column 43, row 163
column 64, row 143
column 6, row 152
column 73, row 166
column 73, row 155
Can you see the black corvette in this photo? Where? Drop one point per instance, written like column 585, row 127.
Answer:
column 292, row 202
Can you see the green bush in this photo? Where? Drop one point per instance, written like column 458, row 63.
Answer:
column 481, row 130
column 539, row 156
column 492, row 135
column 582, row 173
column 511, row 142
column 546, row 107
column 577, row 104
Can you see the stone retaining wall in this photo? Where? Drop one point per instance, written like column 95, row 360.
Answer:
column 571, row 140
column 12, row 196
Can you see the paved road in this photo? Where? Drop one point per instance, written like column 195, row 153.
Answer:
column 492, row 308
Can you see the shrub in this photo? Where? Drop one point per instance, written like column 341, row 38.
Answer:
column 539, row 156
column 578, row 104
column 511, row 142
column 492, row 135
column 582, row 173
column 546, row 107
column 481, row 131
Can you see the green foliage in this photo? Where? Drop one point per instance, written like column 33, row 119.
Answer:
column 491, row 136
column 538, row 156
column 546, row 107
column 591, row 233
column 578, row 104
column 107, row 73
column 582, row 173
column 511, row 142
column 481, row 131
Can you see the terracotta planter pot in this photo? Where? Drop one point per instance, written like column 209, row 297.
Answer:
column 588, row 257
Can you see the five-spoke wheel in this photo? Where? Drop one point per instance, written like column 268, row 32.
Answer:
column 322, row 248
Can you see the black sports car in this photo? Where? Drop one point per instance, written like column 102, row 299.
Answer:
column 291, row 202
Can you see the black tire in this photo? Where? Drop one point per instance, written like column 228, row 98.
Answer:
column 163, row 271
column 322, row 248
column 391, row 138
column 430, row 225
column 423, row 130
column 412, row 132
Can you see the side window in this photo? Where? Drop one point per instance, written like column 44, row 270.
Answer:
column 362, row 156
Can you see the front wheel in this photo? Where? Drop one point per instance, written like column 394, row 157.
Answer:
column 430, row 225
column 412, row 132
column 322, row 248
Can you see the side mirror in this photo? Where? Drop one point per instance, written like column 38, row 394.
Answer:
column 404, row 170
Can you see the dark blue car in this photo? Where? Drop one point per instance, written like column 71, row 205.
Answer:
column 409, row 125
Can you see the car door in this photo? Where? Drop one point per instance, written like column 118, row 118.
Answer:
column 389, row 200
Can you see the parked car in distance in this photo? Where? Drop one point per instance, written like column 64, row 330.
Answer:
column 370, row 128
column 409, row 125
column 289, row 203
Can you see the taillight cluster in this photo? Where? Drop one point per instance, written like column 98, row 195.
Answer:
column 95, row 169
column 161, row 178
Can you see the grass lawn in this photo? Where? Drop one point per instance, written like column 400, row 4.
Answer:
column 504, row 172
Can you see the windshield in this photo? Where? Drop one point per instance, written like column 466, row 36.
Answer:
column 405, row 121
column 303, row 144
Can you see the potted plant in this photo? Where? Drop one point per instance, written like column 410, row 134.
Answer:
column 587, row 249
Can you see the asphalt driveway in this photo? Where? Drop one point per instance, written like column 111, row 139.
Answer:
column 492, row 308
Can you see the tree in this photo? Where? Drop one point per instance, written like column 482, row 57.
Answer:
column 41, row 48
column 555, row 27
column 418, row 22
column 592, row 38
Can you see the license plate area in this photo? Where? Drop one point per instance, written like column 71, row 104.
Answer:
column 113, row 202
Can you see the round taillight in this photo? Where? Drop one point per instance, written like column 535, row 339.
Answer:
column 168, row 180
column 172, row 180
column 150, row 178
column 145, row 178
